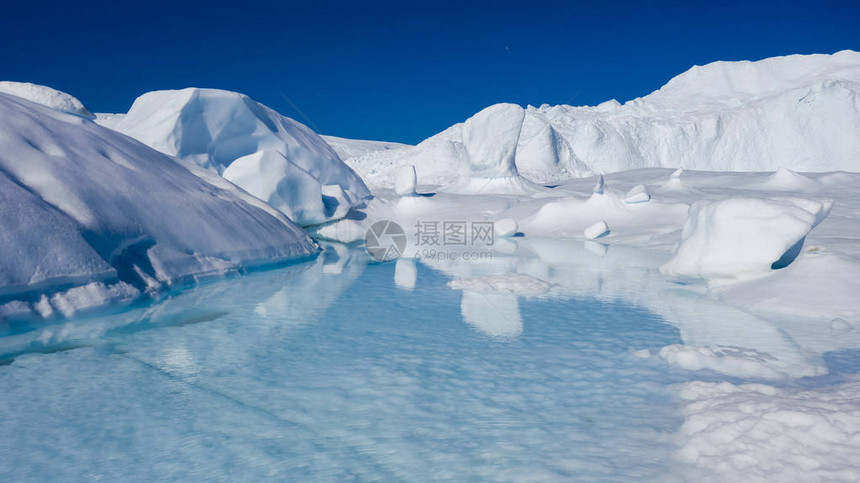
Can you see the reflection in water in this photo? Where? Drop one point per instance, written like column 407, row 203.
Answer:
column 496, row 315
column 336, row 369
column 405, row 273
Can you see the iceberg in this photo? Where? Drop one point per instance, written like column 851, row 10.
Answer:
column 786, row 112
column 215, row 129
column 91, row 215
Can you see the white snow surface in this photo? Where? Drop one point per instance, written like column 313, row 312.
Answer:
column 46, row 96
column 757, row 432
column 215, row 128
column 86, row 208
column 787, row 112
column 739, row 238
column 354, row 148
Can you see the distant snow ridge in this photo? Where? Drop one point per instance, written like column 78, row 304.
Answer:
column 215, row 129
column 46, row 96
column 725, row 116
column 91, row 216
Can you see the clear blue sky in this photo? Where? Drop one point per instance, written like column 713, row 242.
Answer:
column 398, row 71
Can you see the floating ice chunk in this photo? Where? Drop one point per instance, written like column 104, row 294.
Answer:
column 512, row 283
column 740, row 238
column 490, row 138
column 405, row 181
column 268, row 175
column 46, row 96
column 596, row 230
column 637, row 194
column 676, row 175
column 598, row 186
column 505, row 227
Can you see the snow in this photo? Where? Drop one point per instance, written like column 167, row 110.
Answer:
column 354, row 148
column 109, row 120
column 214, row 129
column 782, row 112
column 91, row 216
column 742, row 238
column 757, row 432
column 46, row 96
column 637, row 194
column 405, row 181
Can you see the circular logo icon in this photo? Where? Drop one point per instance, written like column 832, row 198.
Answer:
column 385, row 241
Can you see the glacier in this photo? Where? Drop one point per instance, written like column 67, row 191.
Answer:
column 789, row 112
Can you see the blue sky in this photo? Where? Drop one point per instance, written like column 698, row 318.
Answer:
column 399, row 71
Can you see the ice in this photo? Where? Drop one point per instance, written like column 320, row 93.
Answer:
column 637, row 194
column 725, row 116
column 214, row 129
column 741, row 238
column 506, row 227
column 596, row 230
column 406, row 181
column 268, row 175
column 91, row 216
column 490, row 138
column 46, row 96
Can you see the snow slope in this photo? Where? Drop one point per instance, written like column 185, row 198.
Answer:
column 47, row 97
column 354, row 148
column 800, row 112
column 214, row 128
column 90, row 215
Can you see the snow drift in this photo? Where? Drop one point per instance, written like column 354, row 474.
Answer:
column 90, row 214
column 46, row 96
column 214, row 129
column 725, row 116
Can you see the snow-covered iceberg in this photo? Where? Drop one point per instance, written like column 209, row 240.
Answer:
column 90, row 215
column 725, row 116
column 46, row 96
column 215, row 129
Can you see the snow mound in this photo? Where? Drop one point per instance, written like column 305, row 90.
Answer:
column 214, row 128
column 742, row 238
column 726, row 116
column 89, row 207
column 508, row 283
column 46, row 96
column 756, row 432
